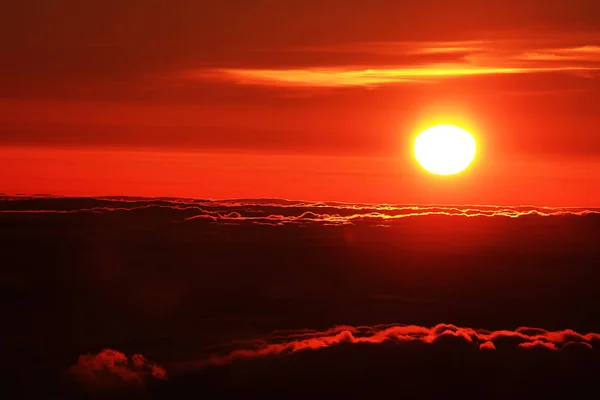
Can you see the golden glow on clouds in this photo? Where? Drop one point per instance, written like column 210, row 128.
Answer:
column 470, row 58
column 343, row 76
column 583, row 53
column 448, row 47
column 396, row 48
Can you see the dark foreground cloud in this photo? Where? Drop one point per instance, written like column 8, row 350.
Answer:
column 291, row 342
column 110, row 369
column 187, row 282
column 358, row 360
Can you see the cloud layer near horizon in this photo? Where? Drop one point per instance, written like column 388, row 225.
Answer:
column 271, row 211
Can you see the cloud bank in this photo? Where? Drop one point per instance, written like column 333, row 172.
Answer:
column 111, row 369
column 275, row 212
column 285, row 343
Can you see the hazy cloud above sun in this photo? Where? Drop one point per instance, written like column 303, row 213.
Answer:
column 361, row 43
column 414, row 62
column 194, row 51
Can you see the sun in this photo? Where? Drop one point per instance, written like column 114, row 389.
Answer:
column 445, row 149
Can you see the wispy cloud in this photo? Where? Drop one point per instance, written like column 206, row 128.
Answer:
column 412, row 63
column 397, row 48
column 344, row 76
column 580, row 53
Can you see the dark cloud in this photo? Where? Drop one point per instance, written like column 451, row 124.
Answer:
column 482, row 339
column 219, row 301
column 357, row 359
column 274, row 211
column 216, row 292
column 110, row 369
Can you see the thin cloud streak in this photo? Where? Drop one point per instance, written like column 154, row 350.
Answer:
column 397, row 48
column 340, row 77
column 581, row 53
column 403, row 63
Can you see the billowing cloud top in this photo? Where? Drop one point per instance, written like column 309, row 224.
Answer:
column 109, row 369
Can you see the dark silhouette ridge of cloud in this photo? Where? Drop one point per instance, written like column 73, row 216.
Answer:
column 272, row 211
column 283, row 360
column 126, row 264
column 111, row 369
column 285, row 343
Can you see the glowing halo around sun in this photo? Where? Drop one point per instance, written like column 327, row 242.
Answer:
column 445, row 149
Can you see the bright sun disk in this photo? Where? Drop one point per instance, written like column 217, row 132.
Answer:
column 445, row 149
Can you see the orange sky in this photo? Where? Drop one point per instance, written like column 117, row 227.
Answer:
column 310, row 100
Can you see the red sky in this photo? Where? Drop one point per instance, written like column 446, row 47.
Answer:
column 314, row 100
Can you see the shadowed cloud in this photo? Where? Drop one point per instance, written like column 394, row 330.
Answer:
column 272, row 211
column 111, row 369
column 483, row 339
column 349, row 359
column 199, row 286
